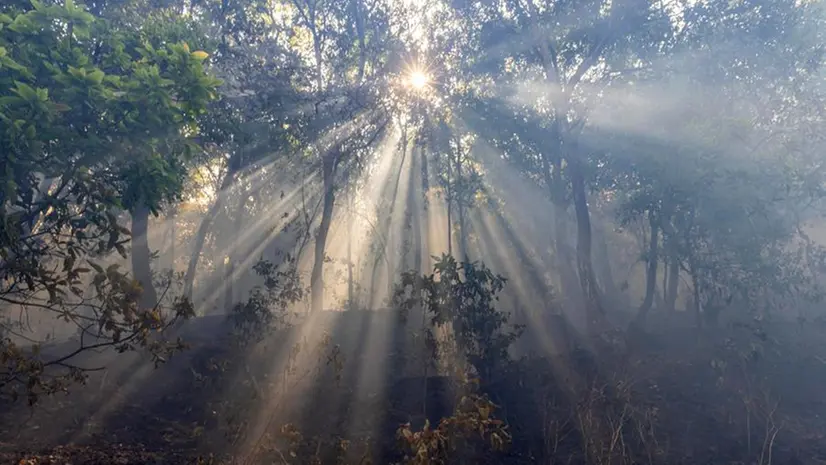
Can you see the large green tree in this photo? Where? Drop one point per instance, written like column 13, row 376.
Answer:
column 94, row 121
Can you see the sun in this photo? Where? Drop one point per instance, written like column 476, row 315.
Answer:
column 418, row 79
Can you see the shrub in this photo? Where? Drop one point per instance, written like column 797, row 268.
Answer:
column 461, row 296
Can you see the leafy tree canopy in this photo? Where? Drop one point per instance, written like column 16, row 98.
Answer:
column 94, row 119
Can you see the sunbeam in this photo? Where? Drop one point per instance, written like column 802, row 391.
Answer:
column 412, row 232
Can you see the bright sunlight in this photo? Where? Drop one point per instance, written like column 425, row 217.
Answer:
column 413, row 232
column 418, row 79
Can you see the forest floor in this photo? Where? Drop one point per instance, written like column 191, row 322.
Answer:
column 730, row 396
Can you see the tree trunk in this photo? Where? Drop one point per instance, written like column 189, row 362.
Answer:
column 651, row 270
column 351, row 293
column 417, row 214
column 359, row 17
column 173, row 237
column 141, row 256
column 671, row 287
column 198, row 247
column 316, row 277
column 232, row 253
column 449, row 209
column 673, row 263
column 460, row 204
column 593, row 307
column 697, row 304
column 203, row 229
column 606, row 274
column 563, row 258
column 318, row 57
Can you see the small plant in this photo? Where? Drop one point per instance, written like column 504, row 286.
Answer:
column 113, row 320
column 461, row 296
column 470, row 431
column 317, row 451
column 267, row 306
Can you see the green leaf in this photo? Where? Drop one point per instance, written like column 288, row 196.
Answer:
column 25, row 91
column 96, row 76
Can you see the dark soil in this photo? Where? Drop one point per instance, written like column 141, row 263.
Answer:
column 666, row 402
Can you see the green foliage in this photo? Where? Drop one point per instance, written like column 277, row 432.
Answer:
column 461, row 296
column 266, row 307
column 93, row 120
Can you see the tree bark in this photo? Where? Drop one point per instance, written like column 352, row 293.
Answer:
column 173, row 237
column 460, row 204
column 316, row 276
column 696, row 304
column 141, row 256
column 605, row 272
column 593, row 307
column 203, row 229
column 563, row 258
column 671, row 285
column 416, row 213
column 351, row 293
column 232, row 253
column 359, row 17
column 651, row 270
column 449, row 208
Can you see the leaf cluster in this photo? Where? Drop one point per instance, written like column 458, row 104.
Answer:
column 470, row 431
column 461, row 296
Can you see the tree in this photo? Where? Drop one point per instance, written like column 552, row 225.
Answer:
column 355, row 114
column 93, row 121
column 561, row 74
column 462, row 295
column 595, row 41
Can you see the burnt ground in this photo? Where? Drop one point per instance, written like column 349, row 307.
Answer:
column 726, row 396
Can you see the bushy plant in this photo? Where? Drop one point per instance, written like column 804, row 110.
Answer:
column 471, row 430
column 461, row 296
column 268, row 304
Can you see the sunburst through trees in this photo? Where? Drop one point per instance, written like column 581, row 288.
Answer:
column 384, row 231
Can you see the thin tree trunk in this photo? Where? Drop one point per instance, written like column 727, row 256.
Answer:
column 698, row 308
column 316, row 277
column 317, row 53
column 605, row 272
column 141, row 256
column 564, row 260
column 665, row 277
column 449, row 209
column 671, row 287
column 651, row 270
column 351, row 293
column 416, row 214
column 198, row 246
column 232, row 253
column 562, row 255
column 359, row 17
column 173, row 237
column 587, row 280
column 460, row 201
column 203, row 229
